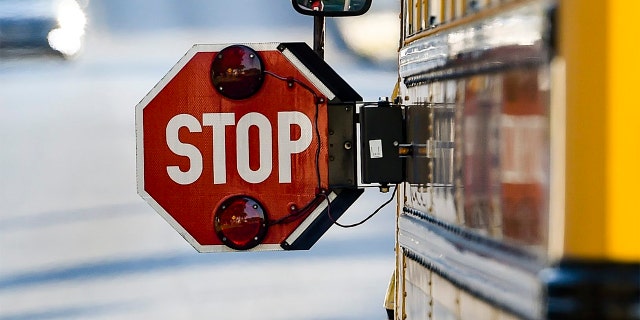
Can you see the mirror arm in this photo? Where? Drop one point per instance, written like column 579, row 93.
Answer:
column 318, row 35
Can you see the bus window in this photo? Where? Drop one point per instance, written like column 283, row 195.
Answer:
column 417, row 15
column 524, row 158
column 458, row 8
column 449, row 10
column 480, row 174
column 407, row 11
column 425, row 14
column 505, row 156
column 435, row 13
column 443, row 134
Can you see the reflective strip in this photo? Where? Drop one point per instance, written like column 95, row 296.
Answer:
column 310, row 218
column 308, row 74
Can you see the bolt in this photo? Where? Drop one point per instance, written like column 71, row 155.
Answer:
column 395, row 143
column 331, row 158
column 255, row 206
column 347, row 108
column 347, row 145
column 384, row 189
column 293, row 207
column 252, row 56
column 223, row 207
column 331, row 132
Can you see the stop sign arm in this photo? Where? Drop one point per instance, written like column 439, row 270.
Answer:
column 341, row 112
column 319, row 221
column 268, row 164
column 340, row 90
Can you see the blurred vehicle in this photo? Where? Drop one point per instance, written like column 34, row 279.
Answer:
column 41, row 27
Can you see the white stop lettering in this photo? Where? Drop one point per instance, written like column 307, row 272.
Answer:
column 219, row 122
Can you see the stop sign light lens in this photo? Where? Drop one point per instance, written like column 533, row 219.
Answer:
column 237, row 72
column 240, row 222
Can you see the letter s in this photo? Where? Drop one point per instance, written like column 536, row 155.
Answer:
column 184, row 149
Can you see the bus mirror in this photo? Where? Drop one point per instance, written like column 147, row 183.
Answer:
column 331, row 8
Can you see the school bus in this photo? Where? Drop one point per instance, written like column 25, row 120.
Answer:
column 520, row 200
column 519, row 160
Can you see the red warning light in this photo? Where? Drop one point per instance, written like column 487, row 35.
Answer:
column 237, row 72
column 240, row 222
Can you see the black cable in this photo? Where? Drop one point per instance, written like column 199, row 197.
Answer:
column 295, row 214
column 318, row 148
column 320, row 192
column 393, row 195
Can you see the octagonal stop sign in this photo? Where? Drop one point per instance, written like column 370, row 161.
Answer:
column 248, row 147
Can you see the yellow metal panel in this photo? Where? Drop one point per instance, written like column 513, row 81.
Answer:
column 623, row 129
column 599, row 42
column 474, row 308
column 582, row 44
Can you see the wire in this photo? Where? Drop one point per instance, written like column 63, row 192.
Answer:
column 393, row 195
column 295, row 214
column 320, row 193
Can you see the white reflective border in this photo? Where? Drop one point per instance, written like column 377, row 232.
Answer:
column 140, row 138
column 308, row 74
column 310, row 218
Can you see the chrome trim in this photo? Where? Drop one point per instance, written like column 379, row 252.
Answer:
column 504, row 275
column 522, row 29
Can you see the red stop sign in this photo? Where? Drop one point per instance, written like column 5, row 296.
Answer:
column 240, row 165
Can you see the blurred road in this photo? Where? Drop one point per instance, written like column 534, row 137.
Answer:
column 76, row 241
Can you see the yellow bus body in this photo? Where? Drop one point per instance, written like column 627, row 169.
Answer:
column 522, row 202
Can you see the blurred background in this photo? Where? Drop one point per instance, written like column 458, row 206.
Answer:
column 77, row 242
